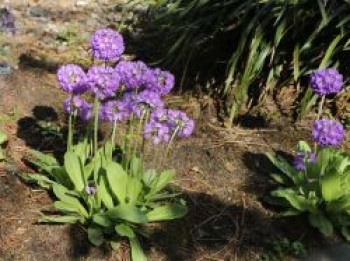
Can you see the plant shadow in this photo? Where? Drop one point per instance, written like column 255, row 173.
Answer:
column 42, row 130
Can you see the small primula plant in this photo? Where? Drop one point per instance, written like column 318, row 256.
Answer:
column 318, row 183
column 104, row 185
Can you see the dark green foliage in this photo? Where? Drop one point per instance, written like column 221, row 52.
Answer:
column 256, row 45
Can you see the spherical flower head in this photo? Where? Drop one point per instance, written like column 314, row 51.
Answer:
column 107, row 45
column 132, row 74
column 78, row 107
column 114, row 111
column 181, row 123
column 72, row 79
column 156, row 131
column 160, row 81
column 160, row 115
column 328, row 132
column 326, row 81
column 303, row 158
column 146, row 101
column 103, row 81
column 90, row 189
column 7, row 21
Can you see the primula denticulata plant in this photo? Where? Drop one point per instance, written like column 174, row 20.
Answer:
column 318, row 183
column 114, row 197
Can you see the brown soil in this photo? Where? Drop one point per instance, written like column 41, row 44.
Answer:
column 223, row 175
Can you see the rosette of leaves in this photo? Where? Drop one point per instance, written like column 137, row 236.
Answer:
column 322, row 191
column 121, row 203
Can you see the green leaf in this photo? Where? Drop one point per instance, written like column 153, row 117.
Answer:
column 103, row 192
column 330, row 186
column 137, row 253
column 149, row 177
column 346, row 233
column 59, row 219
column 41, row 180
column 320, row 222
column 74, row 170
column 102, row 220
column 127, row 212
column 134, row 188
column 136, row 167
column 167, row 212
column 71, row 206
column 2, row 154
column 3, row 137
column 118, row 180
column 303, row 146
column 163, row 180
column 44, row 158
column 296, row 201
column 283, row 166
column 124, row 231
column 95, row 235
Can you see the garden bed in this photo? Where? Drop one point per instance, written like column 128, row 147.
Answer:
column 222, row 173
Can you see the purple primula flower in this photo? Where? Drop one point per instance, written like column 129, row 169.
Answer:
column 160, row 115
column 7, row 21
column 78, row 107
column 90, row 189
column 328, row 132
column 114, row 111
column 146, row 101
column 156, row 131
column 107, row 45
column 181, row 123
column 103, row 81
column 72, row 79
column 160, row 81
column 303, row 158
column 326, row 81
column 132, row 74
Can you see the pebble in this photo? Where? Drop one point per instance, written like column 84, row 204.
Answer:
column 81, row 3
column 5, row 69
column 37, row 11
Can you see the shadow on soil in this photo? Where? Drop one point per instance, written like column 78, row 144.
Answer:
column 41, row 131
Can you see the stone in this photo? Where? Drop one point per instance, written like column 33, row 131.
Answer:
column 5, row 69
column 37, row 11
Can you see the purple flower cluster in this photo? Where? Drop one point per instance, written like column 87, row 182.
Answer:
column 133, row 75
column 130, row 88
column 78, row 107
column 7, row 21
column 146, row 101
column 72, row 79
column 328, row 132
column 107, row 45
column 303, row 158
column 114, row 111
column 165, row 123
column 103, row 81
column 326, row 81
column 160, row 81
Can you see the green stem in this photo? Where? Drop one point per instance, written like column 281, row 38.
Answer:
column 171, row 141
column 70, row 132
column 319, row 114
column 96, row 109
column 114, row 134
column 320, row 107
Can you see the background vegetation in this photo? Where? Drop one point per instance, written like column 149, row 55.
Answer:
column 245, row 50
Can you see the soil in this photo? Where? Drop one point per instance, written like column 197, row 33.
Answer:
column 222, row 173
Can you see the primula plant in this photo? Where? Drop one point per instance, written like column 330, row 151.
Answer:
column 318, row 183
column 113, row 196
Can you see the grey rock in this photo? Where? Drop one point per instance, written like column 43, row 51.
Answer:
column 5, row 69
column 37, row 11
